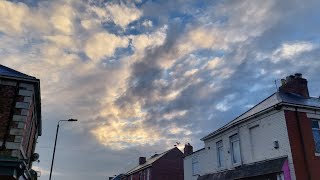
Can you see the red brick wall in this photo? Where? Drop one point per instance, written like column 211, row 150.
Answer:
column 7, row 95
column 169, row 167
column 307, row 163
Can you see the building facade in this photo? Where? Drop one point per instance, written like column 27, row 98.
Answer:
column 278, row 139
column 164, row 166
column 20, row 124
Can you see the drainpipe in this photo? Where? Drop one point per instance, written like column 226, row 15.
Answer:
column 302, row 143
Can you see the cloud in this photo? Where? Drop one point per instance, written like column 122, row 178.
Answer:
column 292, row 50
column 62, row 19
column 18, row 18
column 104, row 44
column 122, row 14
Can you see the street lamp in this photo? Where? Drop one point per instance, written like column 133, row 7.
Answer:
column 55, row 143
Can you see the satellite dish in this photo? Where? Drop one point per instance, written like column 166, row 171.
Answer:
column 35, row 157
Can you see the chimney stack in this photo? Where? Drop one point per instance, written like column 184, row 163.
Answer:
column 188, row 149
column 142, row 160
column 295, row 84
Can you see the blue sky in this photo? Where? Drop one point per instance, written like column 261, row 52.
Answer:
column 142, row 75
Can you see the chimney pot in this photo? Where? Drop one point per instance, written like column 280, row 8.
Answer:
column 298, row 75
column 142, row 160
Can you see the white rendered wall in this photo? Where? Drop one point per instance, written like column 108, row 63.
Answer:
column 256, row 141
column 187, row 164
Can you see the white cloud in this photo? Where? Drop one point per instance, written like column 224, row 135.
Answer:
column 292, row 50
column 18, row 18
column 122, row 14
column 175, row 114
column 141, row 42
column 62, row 18
column 104, row 44
column 147, row 23
column 12, row 16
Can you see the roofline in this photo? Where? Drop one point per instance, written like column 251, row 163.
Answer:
column 37, row 96
column 149, row 165
column 144, row 167
column 230, row 124
column 194, row 152
column 238, row 116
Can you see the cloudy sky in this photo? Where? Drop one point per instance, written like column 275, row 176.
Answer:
column 141, row 75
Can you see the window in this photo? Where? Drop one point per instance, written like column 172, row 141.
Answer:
column 220, row 156
column 195, row 166
column 235, row 149
column 148, row 174
column 316, row 134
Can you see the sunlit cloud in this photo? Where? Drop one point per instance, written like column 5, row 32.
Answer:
column 292, row 50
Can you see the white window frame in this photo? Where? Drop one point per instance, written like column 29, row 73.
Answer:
column 195, row 162
column 233, row 139
column 220, row 162
column 317, row 153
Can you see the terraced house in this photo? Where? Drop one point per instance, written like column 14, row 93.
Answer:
column 20, row 124
column 278, row 139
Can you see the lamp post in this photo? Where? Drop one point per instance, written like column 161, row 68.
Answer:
column 55, row 143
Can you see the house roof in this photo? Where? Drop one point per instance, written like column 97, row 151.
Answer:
column 248, row 170
column 270, row 102
column 5, row 71
column 8, row 73
column 149, row 162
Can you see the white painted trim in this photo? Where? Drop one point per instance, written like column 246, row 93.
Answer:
column 314, row 116
column 19, row 118
column 12, row 145
column 17, row 132
column 22, row 105
column 25, row 92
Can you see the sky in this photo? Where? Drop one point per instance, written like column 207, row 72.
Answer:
column 142, row 75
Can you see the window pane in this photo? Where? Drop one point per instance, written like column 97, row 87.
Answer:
column 195, row 168
column 315, row 124
column 236, row 152
column 316, row 135
column 220, row 157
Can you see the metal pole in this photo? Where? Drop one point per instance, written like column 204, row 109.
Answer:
column 54, row 150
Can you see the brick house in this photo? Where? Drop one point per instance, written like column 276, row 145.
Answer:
column 20, row 124
column 278, row 139
column 165, row 166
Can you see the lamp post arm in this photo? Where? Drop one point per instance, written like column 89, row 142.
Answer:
column 54, row 150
